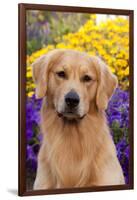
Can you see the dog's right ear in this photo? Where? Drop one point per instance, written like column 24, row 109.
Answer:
column 39, row 74
column 40, row 71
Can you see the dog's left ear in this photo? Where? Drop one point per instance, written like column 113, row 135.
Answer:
column 107, row 83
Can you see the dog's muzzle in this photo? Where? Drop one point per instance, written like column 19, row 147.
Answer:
column 70, row 111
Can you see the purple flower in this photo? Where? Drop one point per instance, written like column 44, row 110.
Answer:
column 118, row 120
column 33, row 134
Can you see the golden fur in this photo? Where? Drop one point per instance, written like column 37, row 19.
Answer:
column 80, row 152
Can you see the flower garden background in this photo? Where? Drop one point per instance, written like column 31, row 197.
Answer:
column 108, row 39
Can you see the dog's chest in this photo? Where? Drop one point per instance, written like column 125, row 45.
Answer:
column 69, row 162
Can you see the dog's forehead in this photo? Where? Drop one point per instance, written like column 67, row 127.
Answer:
column 75, row 59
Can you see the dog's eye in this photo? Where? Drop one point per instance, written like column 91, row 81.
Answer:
column 86, row 78
column 61, row 74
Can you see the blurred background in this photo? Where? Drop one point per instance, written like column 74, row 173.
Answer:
column 44, row 28
column 106, row 36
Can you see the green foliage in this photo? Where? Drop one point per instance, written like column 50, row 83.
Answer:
column 44, row 28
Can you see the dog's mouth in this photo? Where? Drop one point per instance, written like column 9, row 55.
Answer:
column 71, row 116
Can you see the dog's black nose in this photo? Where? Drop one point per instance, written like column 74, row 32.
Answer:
column 72, row 99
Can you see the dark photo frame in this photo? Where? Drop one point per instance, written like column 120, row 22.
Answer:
column 22, row 43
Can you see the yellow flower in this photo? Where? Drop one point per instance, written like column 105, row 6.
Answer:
column 126, row 72
column 30, row 94
column 29, row 74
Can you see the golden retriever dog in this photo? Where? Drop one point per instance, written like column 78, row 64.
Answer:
column 77, row 149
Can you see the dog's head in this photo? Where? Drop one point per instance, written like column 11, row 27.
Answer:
column 73, row 82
